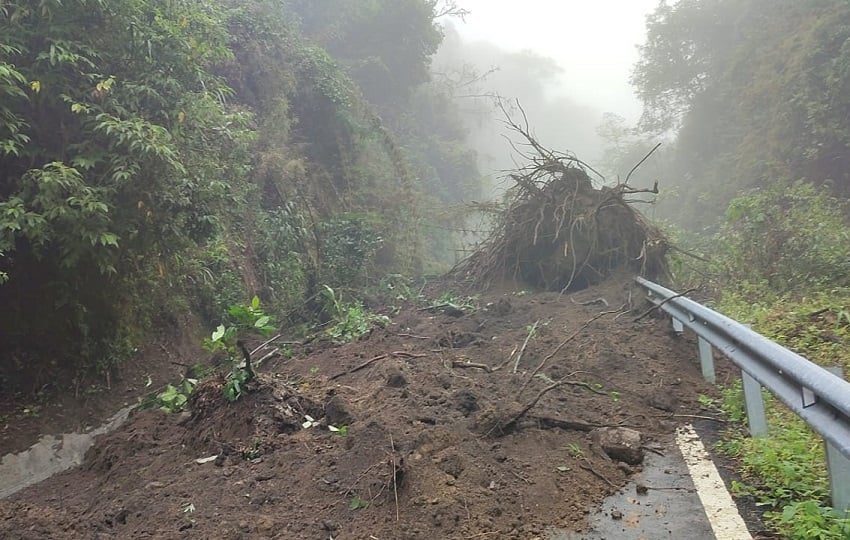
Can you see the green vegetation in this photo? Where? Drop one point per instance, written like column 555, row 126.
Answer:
column 349, row 321
column 779, row 261
column 174, row 398
column 755, row 92
column 161, row 158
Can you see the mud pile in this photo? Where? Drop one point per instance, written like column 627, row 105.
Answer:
column 478, row 423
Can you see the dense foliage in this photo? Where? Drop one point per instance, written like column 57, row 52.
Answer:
column 165, row 156
column 755, row 90
column 752, row 98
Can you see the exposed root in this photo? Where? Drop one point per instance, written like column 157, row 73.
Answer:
column 559, row 231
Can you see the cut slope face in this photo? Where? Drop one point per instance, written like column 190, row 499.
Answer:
column 439, row 442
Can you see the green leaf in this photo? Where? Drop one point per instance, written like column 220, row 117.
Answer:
column 218, row 333
column 255, row 302
column 262, row 322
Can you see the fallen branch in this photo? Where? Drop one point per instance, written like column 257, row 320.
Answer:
column 659, row 304
column 412, row 336
column 367, row 363
column 364, row 365
column 473, row 365
column 255, row 351
column 525, row 344
column 395, row 477
column 405, row 354
column 564, row 343
column 588, row 467
column 696, row 416
column 506, row 426
column 599, row 300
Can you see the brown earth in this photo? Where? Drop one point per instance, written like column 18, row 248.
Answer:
column 435, row 446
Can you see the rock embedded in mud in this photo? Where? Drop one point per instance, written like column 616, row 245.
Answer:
column 396, row 379
column 465, row 401
column 620, row 444
column 336, row 412
column 663, row 400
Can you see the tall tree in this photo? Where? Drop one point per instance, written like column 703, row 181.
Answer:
column 756, row 91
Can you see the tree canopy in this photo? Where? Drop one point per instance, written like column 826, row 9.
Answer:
column 756, row 91
column 155, row 152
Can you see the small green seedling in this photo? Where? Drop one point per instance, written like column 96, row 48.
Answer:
column 575, row 450
column 357, row 503
column 342, row 431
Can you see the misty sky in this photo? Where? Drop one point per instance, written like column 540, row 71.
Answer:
column 594, row 41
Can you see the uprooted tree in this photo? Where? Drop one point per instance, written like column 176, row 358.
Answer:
column 557, row 230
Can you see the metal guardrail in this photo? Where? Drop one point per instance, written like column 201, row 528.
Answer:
column 819, row 396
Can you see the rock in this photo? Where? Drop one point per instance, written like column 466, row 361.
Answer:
column 465, row 401
column 396, row 380
column 621, row 444
column 663, row 400
column 616, row 514
column 336, row 412
column 641, row 489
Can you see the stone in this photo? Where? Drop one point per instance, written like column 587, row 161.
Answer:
column 620, row 444
column 336, row 412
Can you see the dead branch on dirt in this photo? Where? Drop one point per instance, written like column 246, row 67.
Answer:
column 350, row 490
column 559, row 231
column 588, row 467
column 599, row 300
column 525, row 344
column 508, row 423
column 411, row 336
column 367, row 363
column 257, row 349
column 473, row 365
column 405, row 354
column 364, row 365
column 695, row 416
column 658, row 305
column 395, row 477
column 564, row 343
column 262, row 359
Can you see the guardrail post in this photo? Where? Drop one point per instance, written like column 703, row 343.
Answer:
column 839, row 479
column 838, row 467
column 678, row 327
column 754, row 402
column 706, row 360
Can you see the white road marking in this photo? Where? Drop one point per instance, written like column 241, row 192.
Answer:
column 719, row 507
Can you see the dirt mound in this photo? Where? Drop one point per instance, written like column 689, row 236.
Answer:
column 438, row 435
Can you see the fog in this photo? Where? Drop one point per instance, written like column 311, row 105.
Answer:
column 559, row 121
column 567, row 63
